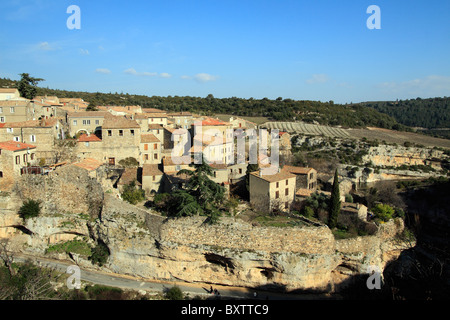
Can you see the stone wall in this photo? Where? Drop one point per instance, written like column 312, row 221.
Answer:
column 148, row 246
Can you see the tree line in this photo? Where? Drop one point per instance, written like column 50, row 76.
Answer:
column 279, row 109
column 426, row 113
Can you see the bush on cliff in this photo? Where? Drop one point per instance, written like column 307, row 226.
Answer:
column 30, row 209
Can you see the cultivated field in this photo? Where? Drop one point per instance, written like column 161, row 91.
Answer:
column 390, row 136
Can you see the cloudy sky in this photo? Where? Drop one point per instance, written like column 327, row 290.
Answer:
column 306, row 50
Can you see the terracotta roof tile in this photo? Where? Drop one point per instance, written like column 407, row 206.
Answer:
column 15, row 146
column 151, row 170
column 148, row 138
column 298, row 170
column 91, row 138
column 118, row 122
column 282, row 175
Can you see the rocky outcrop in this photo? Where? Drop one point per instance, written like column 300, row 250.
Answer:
column 148, row 246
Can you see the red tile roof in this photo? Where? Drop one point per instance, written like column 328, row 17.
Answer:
column 90, row 138
column 15, row 146
column 213, row 122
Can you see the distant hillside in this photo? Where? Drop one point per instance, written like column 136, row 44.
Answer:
column 326, row 113
column 425, row 113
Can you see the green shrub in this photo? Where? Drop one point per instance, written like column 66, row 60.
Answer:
column 30, row 209
column 132, row 194
column 100, row 254
column 384, row 212
column 174, row 293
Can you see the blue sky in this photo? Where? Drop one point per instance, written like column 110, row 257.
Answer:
column 305, row 50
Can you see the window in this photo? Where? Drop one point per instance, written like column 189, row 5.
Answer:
column 74, row 122
column 311, row 175
column 32, row 156
column 277, row 194
column 11, row 109
column 286, row 192
column 17, row 159
column 86, row 122
column 153, row 178
column 286, row 205
column 86, row 144
column 25, row 158
column 155, row 156
column 2, row 119
column 132, row 132
column 155, row 146
column 109, row 133
column 97, row 121
column 240, row 170
column 146, row 156
column 287, row 182
column 120, row 132
column 145, row 147
column 9, row 130
column 32, row 138
column 1, row 174
column 178, row 167
column 17, row 139
column 112, row 161
column 1, row 109
column 278, row 184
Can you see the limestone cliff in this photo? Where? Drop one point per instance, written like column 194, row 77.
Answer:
column 149, row 246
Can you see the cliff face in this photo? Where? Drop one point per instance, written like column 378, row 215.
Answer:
column 149, row 246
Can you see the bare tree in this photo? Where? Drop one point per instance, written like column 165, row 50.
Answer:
column 6, row 256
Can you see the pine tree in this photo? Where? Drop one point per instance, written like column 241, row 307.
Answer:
column 335, row 203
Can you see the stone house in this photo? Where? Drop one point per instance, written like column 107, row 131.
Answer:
column 156, row 118
column 158, row 131
column 214, row 149
column 181, row 119
column 169, row 166
column 356, row 210
column 272, row 192
column 9, row 94
column 13, row 157
column 15, row 111
column 239, row 123
column 150, row 149
column 89, row 146
column 306, row 177
column 86, row 122
column 152, row 178
column 121, row 139
column 236, row 172
column 41, row 133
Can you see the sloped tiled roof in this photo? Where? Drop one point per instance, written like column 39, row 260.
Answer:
column 119, row 122
column 91, row 138
column 15, row 146
column 282, row 175
column 149, row 138
column 151, row 170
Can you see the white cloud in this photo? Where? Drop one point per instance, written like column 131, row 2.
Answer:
column 165, row 75
column 204, row 77
column 133, row 72
column 429, row 86
column 84, row 52
column 186, row 77
column 318, row 78
column 103, row 71
column 45, row 46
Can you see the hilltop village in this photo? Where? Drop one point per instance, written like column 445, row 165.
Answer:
column 47, row 132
